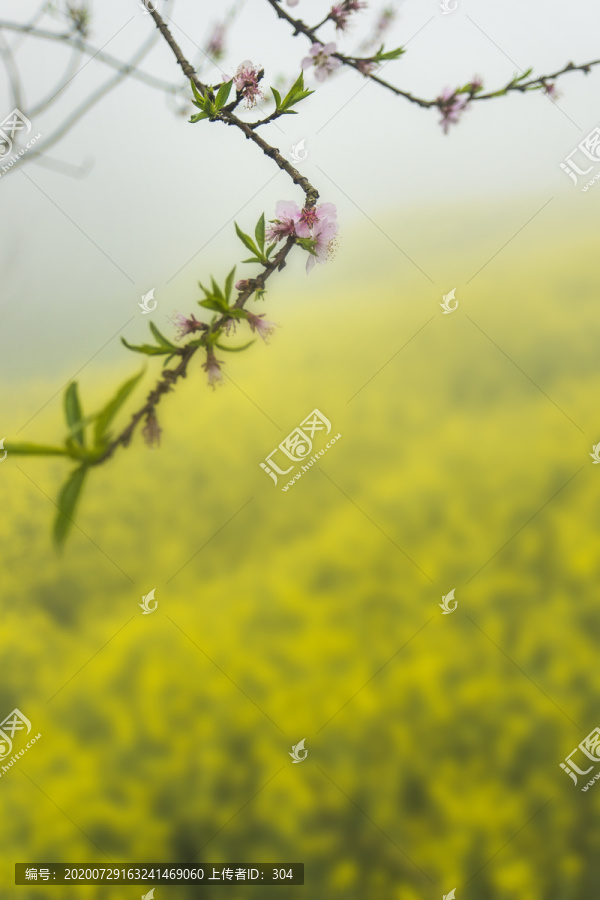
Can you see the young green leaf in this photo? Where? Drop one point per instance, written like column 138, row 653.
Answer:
column 259, row 234
column 148, row 349
column 108, row 412
column 277, row 97
column 294, row 95
column 34, row 450
column 213, row 303
column 229, row 284
column 217, row 293
column 233, row 349
column 382, row 55
column 161, row 339
column 223, row 94
column 73, row 412
column 67, row 502
column 198, row 117
column 307, row 244
column 199, row 97
column 246, row 240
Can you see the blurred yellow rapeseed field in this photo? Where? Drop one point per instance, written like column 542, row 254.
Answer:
column 434, row 741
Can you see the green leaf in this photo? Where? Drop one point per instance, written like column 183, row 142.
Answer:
column 214, row 304
column 382, row 55
column 246, row 240
column 229, row 284
column 294, row 95
column 198, row 116
column 35, row 450
column 308, row 244
column 234, row 349
column 161, row 338
column 67, row 502
column 277, row 97
column 259, row 234
column 217, row 293
column 73, row 412
column 199, row 97
column 254, row 259
column 108, row 412
column 148, row 349
column 223, row 94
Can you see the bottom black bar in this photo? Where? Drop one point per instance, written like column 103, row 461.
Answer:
column 160, row 873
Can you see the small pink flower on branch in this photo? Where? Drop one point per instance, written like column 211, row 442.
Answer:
column 325, row 243
column 263, row 327
column 287, row 214
column 317, row 224
column 242, row 285
column 216, row 44
column 550, row 89
column 313, row 216
column 340, row 12
column 366, row 66
column 186, row 325
column 246, row 82
column 322, row 59
column 213, row 367
column 451, row 106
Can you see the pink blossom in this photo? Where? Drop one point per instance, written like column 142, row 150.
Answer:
column 230, row 326
column 311, row 217
column 318, row 223
column 246, row 82
column 476, row 84
column 550, row 90
column 366, row 67
column 186, row 325
column 263, row 327
column 216, row 43
column 451, row 106
column 341, row 12
column 324, row 235
column 287, row 214
column 292, row 2
column 322, row 59
column 242, row 285
column 213, row 367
